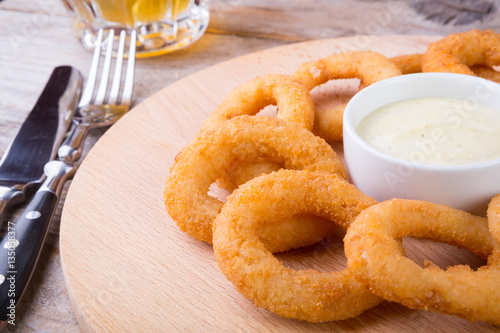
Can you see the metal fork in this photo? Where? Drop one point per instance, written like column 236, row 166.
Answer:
column 99, row 111
column 21, row 246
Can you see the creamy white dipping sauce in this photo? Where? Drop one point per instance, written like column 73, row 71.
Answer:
column 439, row 131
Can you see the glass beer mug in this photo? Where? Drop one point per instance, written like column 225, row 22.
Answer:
column 162, row 25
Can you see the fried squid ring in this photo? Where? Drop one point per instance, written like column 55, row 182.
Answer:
column 204, row 160
column 373, row 253
column 456, row 53
column 305, row 294
column 294, row 105
column 412, row 63
column 367, row 66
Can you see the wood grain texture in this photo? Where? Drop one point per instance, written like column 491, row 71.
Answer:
column 127, row 265
column 298, row 20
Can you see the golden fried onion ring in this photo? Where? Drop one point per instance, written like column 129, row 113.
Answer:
column 367, row 66
column 493, row 214
column 486, row 72
column 238, row 172
column 204, row 160
column 292, row 99
column 408, row 63
column 371, row 246
column 294, row 105
column 412, row 63
column 306, row 294
column 456, row 53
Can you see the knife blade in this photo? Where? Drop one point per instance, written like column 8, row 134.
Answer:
column 37, row 141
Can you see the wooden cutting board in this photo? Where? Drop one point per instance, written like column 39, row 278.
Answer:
column 129, row 268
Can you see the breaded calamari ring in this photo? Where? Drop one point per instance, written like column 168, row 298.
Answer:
column 305, row 294
column 294, row 105
column 412, row 63
column 204, row 160
column 456, row 53
column 373, row 253
column 367, row 66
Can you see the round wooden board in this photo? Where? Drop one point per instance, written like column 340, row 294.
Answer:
column 127, row 265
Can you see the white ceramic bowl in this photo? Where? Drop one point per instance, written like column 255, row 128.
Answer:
column 467, row 187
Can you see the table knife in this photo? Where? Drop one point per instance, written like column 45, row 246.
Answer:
column 21, row 246
column 37, row 142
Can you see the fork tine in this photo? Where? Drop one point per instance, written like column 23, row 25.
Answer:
column 115, row 86
column 103, row 85
column 89, row 86
column 129, row 76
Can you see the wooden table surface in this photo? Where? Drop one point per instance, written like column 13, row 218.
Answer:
column 35, row 36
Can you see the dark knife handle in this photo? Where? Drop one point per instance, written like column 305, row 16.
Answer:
column 21, row 246
column 20, row 249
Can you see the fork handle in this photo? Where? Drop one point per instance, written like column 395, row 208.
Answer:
column 21, row 246
column 9, row 196
column 71, row 149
